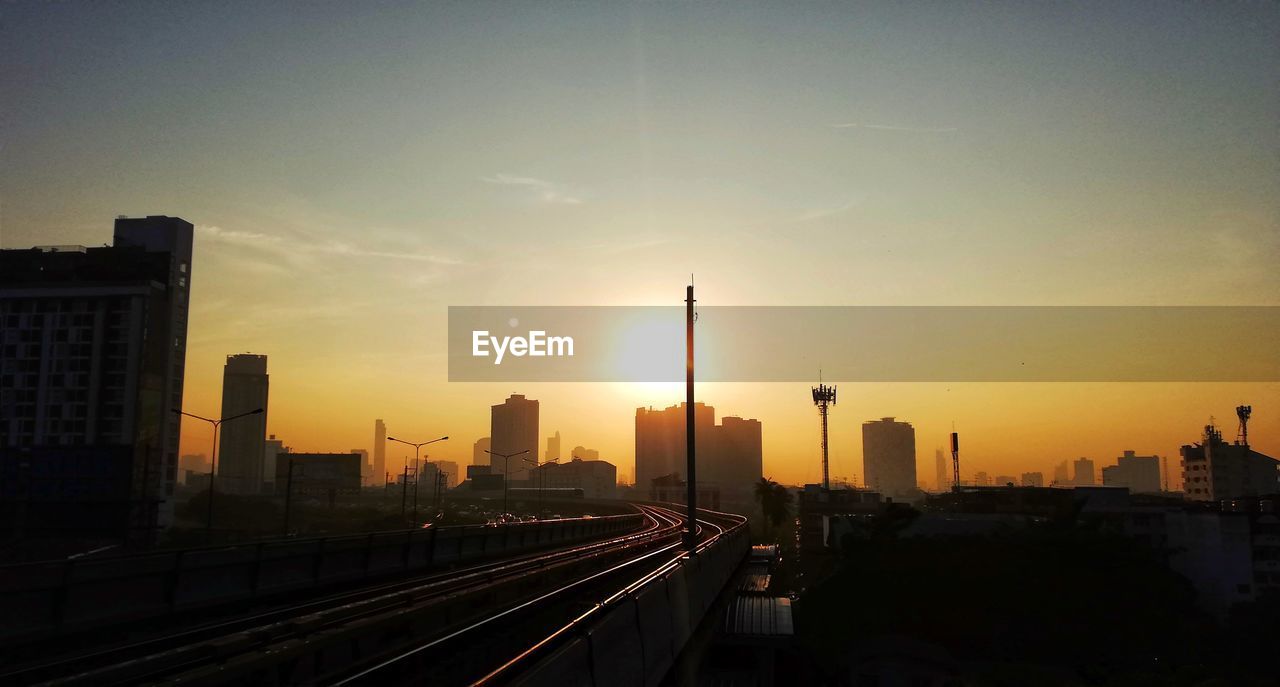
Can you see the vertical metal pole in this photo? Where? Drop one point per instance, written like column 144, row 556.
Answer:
column 288, row 496
column 404, row 486
column 417, row 477
column 213, row 466
column 691, row 476
column 955, row 458
column 506, row 465
column 826, row 474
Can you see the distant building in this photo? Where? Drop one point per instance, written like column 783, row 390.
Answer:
column 1061, row 474
column 981, row 479
column 479, row 452
column 92, row 359
column 584, row 453
column 729, row 455
column 553, row 448
column 1084, row 474
column 889, row 456
column 271, row 450
column 450, row 469
column 379, row 452
column 321, row 475
column 513, row 428
column 672, row 489
column 1141, row 474
column 1213, row 470
column 1033, row 479
column 366, row 469
column 940, row 465
column 193, row 462
column 242, row 442
column 597, row 479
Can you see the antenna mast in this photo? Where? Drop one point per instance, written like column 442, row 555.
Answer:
column 824, row 396
column 955, row 459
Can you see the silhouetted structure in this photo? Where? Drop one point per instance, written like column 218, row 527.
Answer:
column 1213, row 470
column 327, row 476
column 889, row 456
column 1141, row 474
column 1033, row 479
column 672, row 489
column 730, row 455
column 824, row 396
column 379, row 452
column 480, row 451
column 242, row 448
column 513, row 428
column 597, row 479
column 91, row 365
column 553, row 448
column 1084, row 473
column 584, row 453
column 940, row 470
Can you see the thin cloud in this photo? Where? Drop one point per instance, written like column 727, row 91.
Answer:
column 295, row 248
column 823, row 213
column 547, row 191
column 892, row 127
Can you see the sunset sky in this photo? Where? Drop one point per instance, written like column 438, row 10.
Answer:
column 354, row 169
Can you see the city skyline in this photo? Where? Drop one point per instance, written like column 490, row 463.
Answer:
column 344, row 194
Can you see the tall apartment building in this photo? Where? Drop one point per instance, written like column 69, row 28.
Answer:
column 480, row 451
column 513, row 428
column 553, row 448
column 889, row 456
column 379, row 453
column 242, row 446
column 1084, row 473
column 729, row 455
column 92, row 357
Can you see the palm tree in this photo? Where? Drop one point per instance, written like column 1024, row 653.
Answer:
column 765, row 494
column 775, row 502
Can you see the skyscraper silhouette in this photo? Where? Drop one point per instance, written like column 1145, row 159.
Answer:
column 243, row 443
column 513, row 428
column 889, row 456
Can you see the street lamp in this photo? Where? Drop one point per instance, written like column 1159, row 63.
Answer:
column 505, row 458
column 213, row 462
column 416, row 448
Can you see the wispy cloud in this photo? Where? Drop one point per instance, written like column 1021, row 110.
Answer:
column 546, row 191
column 294, row 247
column 823, row 213
column 892, row 127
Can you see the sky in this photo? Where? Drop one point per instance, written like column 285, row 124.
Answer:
column 355, row 168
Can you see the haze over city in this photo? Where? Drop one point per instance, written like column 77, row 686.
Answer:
column 352, row 171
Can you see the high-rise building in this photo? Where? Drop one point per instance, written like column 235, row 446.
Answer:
column 1084, row 475
column 1061, row 473
column 92, row 356
column 553, row 448
column 480, row 451
column 940, row 465
column 366, row 468
column 1033, row 479
column 729, row 455
column 379, row 453
column 1213, row 470
column 514, row 428
column 242, row 445
column 889, row 456
column 584, row 453
column 981, row 479
column 271, row 450
column 1141, row 474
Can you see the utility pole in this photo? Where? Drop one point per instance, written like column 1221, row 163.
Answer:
column 955, row 459
column 691, row 470
column 288, row 496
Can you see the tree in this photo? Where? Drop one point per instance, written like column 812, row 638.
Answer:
column 775, row 501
